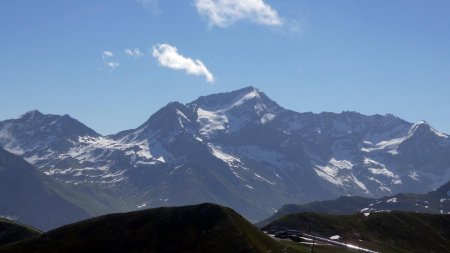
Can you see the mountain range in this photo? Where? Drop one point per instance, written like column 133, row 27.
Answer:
column 238, row 149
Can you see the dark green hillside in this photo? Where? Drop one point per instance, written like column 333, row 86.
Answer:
column 434, row 202
column 11, row 231
column 384, row 232
column 201, row 228
column 341, row 205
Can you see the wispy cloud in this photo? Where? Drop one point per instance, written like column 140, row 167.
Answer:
column 112, row 64
column 135, row 53
column 107, row 54
column 108, row 60
column 223, row 13
column 169, row 57
column 151, row 5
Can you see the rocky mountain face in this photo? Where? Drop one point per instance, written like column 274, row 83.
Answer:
column 239, row 149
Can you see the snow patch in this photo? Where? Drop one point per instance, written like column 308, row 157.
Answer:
column 389, row 145
column 381, row 171
column 211, row 122
column 392, row 200
column 222, row 155
column 179, row 113
column 161, row 159
column 330, row 178
column 330, row 172
column 244, row 98
column 141, row 205
column 414, row 176
column 267, row 118
column 263, row 179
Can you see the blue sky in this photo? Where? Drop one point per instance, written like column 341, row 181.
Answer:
column 383, row 56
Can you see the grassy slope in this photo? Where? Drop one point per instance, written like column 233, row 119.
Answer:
column 341, row 205
column 212, row 228
column 92, row 200
column 436, row 202
column 11, row 231
column 200, row 228
column 385, row 232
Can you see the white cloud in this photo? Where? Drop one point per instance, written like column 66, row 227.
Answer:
column 107, row 54
column 135, row 53
column 108, row 60
column 112, row 64
column 169, row 57
column 151, row 5
column 223, row 13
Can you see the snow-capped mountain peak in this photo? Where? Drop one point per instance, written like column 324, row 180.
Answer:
column 230, row 100
column 229, row 112
column 423, row 128
column 237, row 148
column 168, row 121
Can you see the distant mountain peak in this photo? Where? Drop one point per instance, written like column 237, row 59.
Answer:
column 172, row 118
column 232, row 99
column 248, row 89
column 424, row 128
column 173, row 108
column 390, row 115
column 33, row 114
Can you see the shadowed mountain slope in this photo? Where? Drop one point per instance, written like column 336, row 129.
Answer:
column 11, row 231
column 200, row 228
column 31, row 197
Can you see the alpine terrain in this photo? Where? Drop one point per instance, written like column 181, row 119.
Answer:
column 238, row 149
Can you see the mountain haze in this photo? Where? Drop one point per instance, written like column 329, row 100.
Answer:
column 33, row 198
column 29, row 196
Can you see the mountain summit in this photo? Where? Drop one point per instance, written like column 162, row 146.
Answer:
column 239, row 149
